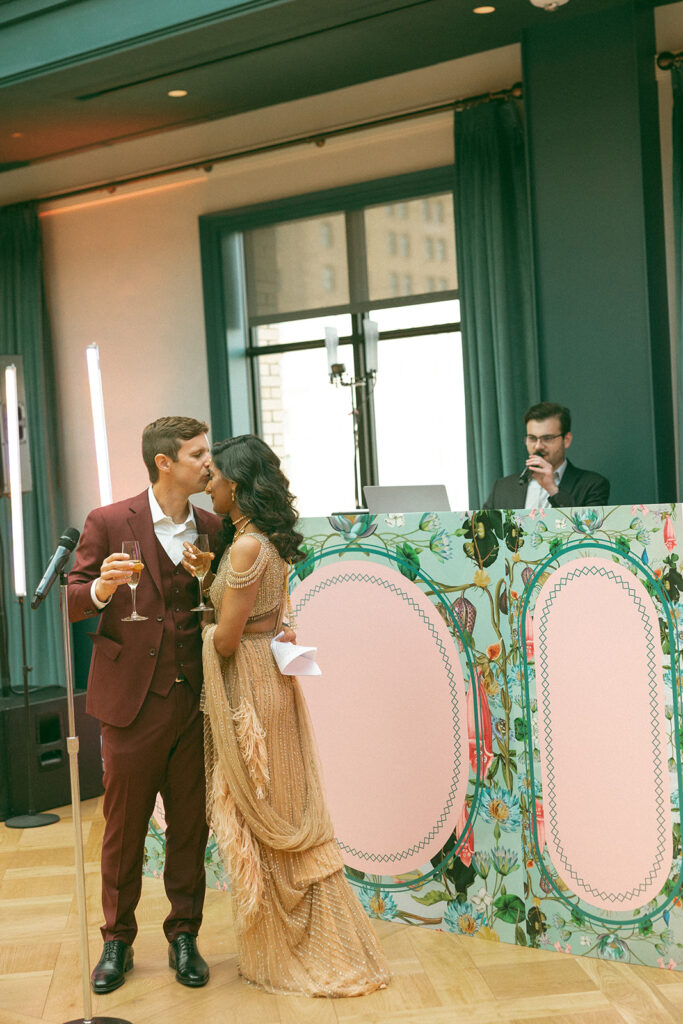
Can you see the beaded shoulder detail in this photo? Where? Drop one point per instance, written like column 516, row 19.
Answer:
column 268, row 566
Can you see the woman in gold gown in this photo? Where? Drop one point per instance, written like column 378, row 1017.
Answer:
column 299, row 926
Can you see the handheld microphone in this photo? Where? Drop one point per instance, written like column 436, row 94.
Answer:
column 525, row 476
column 67, row 542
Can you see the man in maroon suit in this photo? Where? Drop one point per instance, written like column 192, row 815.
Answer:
column 144, row 685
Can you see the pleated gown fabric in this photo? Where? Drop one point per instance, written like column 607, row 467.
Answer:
column 300, row 928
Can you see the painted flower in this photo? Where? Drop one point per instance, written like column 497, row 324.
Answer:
column 500, row 728
column 585, row 940
column 377, row 903
column 395, row 519
column 587, row 520
column 429, row 521
column 540, row 824
column 481, row 900
column 529, row 635
column 609, row 947
column 669, row 535
column 353, row 527
column 501, row 808
column 466, row 851
column 492, row 651
column 504, row 861
column 671, row 966
column 440, row 545
column 481, row 740
column 462, row 917
column 536, row 539
column 482, row 863
column 481, row 578
column 466, row 614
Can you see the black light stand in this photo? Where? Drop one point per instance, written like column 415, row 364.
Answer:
column 31, row 819
column 72, row 748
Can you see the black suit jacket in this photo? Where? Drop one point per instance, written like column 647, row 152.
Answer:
column 577, row 487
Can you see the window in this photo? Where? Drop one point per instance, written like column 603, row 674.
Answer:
column 441, row 250
column 303, row 274
column 429, row 248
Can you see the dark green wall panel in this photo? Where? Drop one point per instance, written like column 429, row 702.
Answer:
column 596, row 202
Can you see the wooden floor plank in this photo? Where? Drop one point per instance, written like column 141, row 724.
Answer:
column 438, row 977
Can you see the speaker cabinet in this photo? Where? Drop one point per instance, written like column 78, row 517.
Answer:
column 48, row 759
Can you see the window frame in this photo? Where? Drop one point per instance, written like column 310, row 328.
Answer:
column 229, row 348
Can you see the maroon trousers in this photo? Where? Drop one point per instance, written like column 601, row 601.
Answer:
column 162, row 751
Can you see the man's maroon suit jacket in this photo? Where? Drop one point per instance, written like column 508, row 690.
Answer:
column 123, row 664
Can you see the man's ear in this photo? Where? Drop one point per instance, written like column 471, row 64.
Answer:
column 162, row 462
column 568, row 438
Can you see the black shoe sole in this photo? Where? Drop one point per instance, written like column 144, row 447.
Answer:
column 189, row 983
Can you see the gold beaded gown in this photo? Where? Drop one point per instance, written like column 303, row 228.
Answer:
column 299, row 926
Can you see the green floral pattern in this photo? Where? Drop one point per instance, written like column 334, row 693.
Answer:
column 483, row 570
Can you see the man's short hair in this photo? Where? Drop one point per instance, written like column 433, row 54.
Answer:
column 165, row 436
column 546, row 410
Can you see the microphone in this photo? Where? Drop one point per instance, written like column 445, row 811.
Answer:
column 525, row 476
column 67, row 542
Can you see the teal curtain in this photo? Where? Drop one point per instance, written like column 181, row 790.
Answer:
column 500, row 352
column 24, row 331
column 677, row 84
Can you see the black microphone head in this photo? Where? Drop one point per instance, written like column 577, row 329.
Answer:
column 69, row 538
column 525, row 476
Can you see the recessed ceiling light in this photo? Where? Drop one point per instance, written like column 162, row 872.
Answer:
column 17, row 135
column 484, row 9
column 177, row 92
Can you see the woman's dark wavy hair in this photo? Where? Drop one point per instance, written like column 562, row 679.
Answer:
column 262, row 491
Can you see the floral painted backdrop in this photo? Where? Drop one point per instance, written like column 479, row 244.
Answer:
column 484, row 571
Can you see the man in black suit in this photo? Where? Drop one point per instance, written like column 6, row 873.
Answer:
column 550, row 479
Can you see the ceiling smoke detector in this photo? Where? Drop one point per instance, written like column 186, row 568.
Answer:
column 549, row 5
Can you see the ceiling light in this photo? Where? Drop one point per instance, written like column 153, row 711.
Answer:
column 484, row 9
column 17, row 135
column 549, row 5
column 175, row 93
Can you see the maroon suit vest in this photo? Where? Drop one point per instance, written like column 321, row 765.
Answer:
column 180, row 653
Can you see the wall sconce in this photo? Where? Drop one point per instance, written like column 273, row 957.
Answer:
column 14, row 459
column 92, row 354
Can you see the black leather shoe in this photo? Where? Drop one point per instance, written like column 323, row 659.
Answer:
column 190, row 967
column 116, row 959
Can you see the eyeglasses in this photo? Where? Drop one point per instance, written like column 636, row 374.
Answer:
column 543, row 439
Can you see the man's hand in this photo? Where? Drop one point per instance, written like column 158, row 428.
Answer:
column 543, row 472
column 288, row 635
column 114, row 572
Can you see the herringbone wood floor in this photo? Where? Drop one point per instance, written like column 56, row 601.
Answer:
column 438, row 978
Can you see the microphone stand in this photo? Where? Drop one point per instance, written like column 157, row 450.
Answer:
column 72, row 745
column 31, row 819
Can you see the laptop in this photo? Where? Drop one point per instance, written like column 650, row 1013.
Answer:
column 407, row 498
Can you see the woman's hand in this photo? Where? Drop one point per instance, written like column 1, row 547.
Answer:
column 193, row 558
column 288, row 635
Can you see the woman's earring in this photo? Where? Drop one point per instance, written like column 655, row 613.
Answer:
column 233, row 494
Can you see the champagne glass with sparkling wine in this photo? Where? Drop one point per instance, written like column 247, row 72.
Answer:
column 132, row 549
column 201, row 567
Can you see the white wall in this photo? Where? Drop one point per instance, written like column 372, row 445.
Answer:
column 123, row 269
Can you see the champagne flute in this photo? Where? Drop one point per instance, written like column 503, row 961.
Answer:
column 201, row 567
column 132, row 548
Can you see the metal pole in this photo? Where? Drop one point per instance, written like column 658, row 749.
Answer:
column 72, row 745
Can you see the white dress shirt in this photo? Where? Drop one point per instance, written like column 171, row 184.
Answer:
column 536, row 495
column 170, row 535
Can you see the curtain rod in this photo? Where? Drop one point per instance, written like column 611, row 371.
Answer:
column 667, row 60
column 317, row 139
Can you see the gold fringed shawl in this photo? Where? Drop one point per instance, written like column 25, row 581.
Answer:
column 238, row 778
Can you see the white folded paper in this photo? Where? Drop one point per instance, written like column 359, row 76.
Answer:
column 293, row 659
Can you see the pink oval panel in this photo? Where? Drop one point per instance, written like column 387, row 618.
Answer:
column 602, row 734
column 389, row 713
